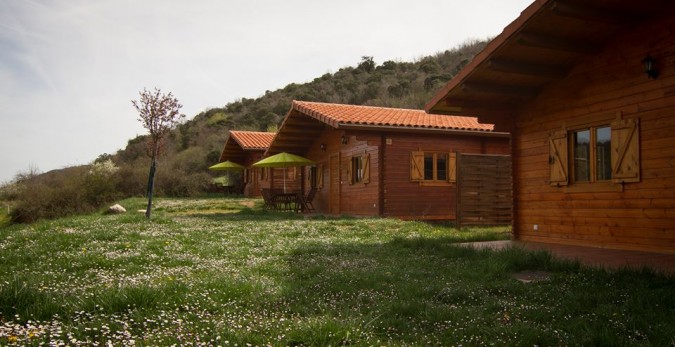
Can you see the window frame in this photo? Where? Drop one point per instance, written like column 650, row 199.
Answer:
column 356, row 172
column 435, row 167
column 312, row 176
column 449, row 167
column 358, row 169
column 592, row 155
column 624, row 154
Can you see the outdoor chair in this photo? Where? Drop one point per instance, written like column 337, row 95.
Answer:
column 307, row 200
column 268, row 198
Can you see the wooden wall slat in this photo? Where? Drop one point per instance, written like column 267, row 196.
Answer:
column 639, row 216
column 484, row 190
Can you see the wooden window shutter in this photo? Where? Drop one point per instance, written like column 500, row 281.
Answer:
column 557, row 160
column 416, row 166
column 625, row 150
column 350, row 170
column 366, row 168
column 319, row 176
column 452, row 167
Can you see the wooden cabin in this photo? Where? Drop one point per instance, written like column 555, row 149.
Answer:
column 376, row 161
column 246, row 148
column 587, row 90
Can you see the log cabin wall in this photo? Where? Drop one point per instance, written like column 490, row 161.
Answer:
column 357, row 199
column 389, row 190
column 407, row 199
column 360, row 198
column 331, row 139
column 252, row 185
column 610, row 85
column 279, row 178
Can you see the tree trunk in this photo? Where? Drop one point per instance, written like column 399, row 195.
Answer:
column 151, row 186
column 151, row 182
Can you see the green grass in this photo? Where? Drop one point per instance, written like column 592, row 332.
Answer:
column 224, row 272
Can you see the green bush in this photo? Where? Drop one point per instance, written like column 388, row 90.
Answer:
column 177, row 183
column 132, row 180
column 74, row 190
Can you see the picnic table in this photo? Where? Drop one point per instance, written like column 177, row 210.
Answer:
column 287, row 201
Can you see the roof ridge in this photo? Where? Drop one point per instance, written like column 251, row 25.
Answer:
column 252, row 139
column 361, row 106
column 253, row 132
column 337, row 114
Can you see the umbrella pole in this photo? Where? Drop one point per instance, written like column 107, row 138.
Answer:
column 284, row 180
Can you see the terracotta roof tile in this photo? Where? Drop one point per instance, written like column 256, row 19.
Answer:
column 249, row 140
column 337, row 114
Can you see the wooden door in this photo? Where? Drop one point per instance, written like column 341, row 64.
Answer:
column 334, row 179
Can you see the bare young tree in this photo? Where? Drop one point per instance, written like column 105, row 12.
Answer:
column 159, row 113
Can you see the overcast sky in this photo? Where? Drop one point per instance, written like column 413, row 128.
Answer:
column 70, row 68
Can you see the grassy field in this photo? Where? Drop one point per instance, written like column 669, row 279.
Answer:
column 224, row 272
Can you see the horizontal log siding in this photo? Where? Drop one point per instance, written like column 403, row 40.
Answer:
column 642, row 216
column 484, row 190
column 252, row 188
column 360, row 199
column 413, row 200
column 331, row 138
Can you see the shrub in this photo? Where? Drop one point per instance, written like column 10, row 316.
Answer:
column 74, row 190
column 177, row 183
column 10, row 191
column 132, row 180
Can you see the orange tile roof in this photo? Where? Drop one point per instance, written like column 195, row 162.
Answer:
column 252, row 140
column 339, row 114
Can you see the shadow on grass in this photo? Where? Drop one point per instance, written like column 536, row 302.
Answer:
column 429, row 291
column 252, row 214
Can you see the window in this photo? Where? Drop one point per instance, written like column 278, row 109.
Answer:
column 602, row 153
column 314, row 176
column 290, row 173
column 592, row 154
column 359, row 169
column 432, row 167
column 435, row 166
column 247, row 172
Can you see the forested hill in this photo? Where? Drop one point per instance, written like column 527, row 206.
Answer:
column 197, row 144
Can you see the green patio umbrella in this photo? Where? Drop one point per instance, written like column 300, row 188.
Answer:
column 284, row 160
column 226, row 166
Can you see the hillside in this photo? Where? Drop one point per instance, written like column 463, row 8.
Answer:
column 197, row 144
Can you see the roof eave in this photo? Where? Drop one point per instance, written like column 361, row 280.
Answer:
column 482, row 57
column 392, row 128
